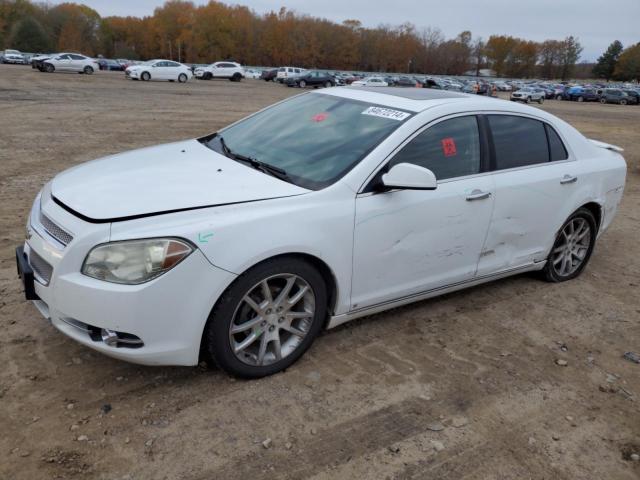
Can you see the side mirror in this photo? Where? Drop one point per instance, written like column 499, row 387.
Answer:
column 408, row 176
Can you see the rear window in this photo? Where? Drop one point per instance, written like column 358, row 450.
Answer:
column 557, row 150
column 518, row 141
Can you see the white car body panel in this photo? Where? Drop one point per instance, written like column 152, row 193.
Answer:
column 382, row 249
column 219, row 181
column 220, row 70
column 67, row 62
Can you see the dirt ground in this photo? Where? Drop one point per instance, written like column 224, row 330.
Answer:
column 463, row 386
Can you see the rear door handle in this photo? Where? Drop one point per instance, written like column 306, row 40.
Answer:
column 568, row 179
column 478, row 195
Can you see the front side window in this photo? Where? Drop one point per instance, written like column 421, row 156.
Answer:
column 449, row 149
column 518, row 141
column 314, row 138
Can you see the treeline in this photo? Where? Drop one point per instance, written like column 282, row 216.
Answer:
column 618, row 63
column 183, row 31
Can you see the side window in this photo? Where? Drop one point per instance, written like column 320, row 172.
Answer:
column 518, row 141
column 63, row 57
column 449, row 149
column 557, row 151
column 77, row 57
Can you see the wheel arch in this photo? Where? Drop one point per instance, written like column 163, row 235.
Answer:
column 322, row 267
column 596, row 209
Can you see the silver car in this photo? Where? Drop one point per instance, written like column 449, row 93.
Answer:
column 527, row 95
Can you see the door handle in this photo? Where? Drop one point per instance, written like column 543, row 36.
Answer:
column 568, row 179
column 478, row 195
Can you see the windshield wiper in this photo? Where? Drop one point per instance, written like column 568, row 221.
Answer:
column 257, row 164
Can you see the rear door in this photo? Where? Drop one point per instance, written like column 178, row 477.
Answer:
column 533, row 174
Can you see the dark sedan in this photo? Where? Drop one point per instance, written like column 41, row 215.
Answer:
column 110, row 65
column 269, row 75
column 314, row 78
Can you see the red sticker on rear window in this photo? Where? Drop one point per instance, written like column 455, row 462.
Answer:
column 449, row 147
column 320, row 117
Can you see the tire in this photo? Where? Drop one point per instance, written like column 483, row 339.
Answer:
column 580, row 99
column 49, row 68
column 208, row 76
column 182, row 78
column 541, row 101
column 302, row 84
column 603, row 100
column 557, row 268
column 87, row 70
column 328, row 84
column 558, row 97
column 145, row 76
column 218, row 340
column 623, row 102
column 528, row 100
column 236, row 77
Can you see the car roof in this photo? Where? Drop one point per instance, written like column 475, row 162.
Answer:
column 412, row 99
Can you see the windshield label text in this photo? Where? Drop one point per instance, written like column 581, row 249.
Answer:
column 386, row 113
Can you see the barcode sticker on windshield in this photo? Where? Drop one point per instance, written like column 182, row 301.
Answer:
column 386, row 113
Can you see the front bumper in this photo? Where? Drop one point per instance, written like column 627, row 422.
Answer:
column 167, row 315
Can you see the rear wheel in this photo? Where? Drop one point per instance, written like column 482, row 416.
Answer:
column 581, row 99
column 267, row 318
column 88, row 70
column 146, row 76
column 541, row 100
column 328, row 84
column 182, row 77
column 558, row 97
column 528, row 100
column 573, row 247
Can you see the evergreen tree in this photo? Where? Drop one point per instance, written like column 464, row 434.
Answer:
column 628, row 67
column 28, row 36
column 607, row 61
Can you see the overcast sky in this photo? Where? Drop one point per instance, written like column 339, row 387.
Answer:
column 595, row 22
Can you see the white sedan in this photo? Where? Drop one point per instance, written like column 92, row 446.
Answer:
column 163, row 70
column 370, row 82
column 70, row 62
column 241, row 246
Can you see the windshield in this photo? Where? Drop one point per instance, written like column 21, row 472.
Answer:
column 314, row 138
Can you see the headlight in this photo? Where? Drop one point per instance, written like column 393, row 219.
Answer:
column 135, row 261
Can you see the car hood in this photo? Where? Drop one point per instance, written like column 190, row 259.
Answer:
column 162, row 179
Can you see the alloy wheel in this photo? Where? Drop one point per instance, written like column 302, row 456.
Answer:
column 572, row 247
column 272, row 319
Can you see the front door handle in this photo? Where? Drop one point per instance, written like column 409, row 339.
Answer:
column 568, row 179
column 478, row 195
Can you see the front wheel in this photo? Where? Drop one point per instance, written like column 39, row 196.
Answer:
column 49, row 68
column 267, row 318
column 302, row 84
column 623, row 102
column 328, row 84
column 573, row 247
column 146, row 76
column 580, row 99
column 541, row 100
column 88, row 70
column 528, row 100
column 603, row 100
column 182, row 78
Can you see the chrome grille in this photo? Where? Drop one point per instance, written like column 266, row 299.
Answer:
column 54, row 230
column 41, row 267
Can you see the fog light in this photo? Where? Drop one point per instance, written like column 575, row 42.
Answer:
column 109, row 337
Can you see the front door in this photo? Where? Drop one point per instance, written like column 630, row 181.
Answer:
column 411, row 241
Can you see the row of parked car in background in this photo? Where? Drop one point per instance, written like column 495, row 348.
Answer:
column 291, row 76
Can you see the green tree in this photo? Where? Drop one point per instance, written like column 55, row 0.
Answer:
column 571, row 50
column 607, row 61
column 628, row 67
column 28, row 36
